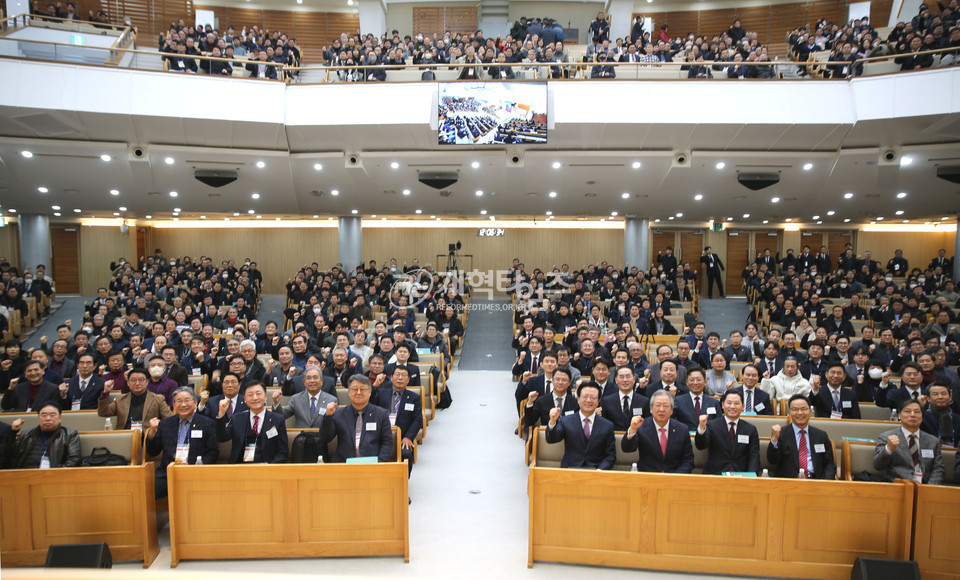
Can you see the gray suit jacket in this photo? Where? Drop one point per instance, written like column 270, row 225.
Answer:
column 899, row 463
column 299, row 407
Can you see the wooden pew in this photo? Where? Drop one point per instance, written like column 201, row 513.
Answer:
column 936, row 546
column 126, row 443
column 78, row 420
column 763, row 527
column 40, row 507
column 324, row 510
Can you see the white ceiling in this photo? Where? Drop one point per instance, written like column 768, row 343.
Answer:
column 596, row 168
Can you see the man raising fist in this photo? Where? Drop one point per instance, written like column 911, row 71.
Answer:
column 664, row 443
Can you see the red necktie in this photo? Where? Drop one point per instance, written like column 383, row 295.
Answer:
column 256, row 425
column 533, row 366
column 733, row 436
column 696, row 405
column 802, row 450
column 663, row 441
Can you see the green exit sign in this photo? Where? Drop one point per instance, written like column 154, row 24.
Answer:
column 77, row 39
column 718, row 226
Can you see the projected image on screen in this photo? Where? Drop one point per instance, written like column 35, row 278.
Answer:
column 492, row 113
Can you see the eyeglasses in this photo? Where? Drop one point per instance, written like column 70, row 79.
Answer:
column 589, row 397
column 354, row 391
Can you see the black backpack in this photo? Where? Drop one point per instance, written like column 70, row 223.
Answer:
column 307, row 448
column 102, row 457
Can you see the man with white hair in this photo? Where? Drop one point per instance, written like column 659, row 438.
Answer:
column 787, row 383
column 255, row 368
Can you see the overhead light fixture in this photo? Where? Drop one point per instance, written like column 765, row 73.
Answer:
column 77, row 210
column 42, row 189
column 57, row 214
column 373, row 215
column 880, row 218
column 479, row 192
column 227, row 219
column 27, row 154
column 625, row 195
column 613, row 213
column 656, row 221
column 789, row 219
column 549, row 212
column 114, row 192
column 177, row 209
column 406, row 192
column 848, row 195
column 251, row 212
column 174, row 194
column 334, row 192
column 557, row 165
column 55, row 207
column 236, row 214
column 106, row 157
column 354, row 212
column 483, row 212
column 168, row 160
column 317, row 166
column 261, row 164
column 831, row 212
column 203, row 217
column 493, row 218
column 122, row 208
column 148, row 216
column 394, row 165
column 698, row 197
column 807, row 166
column 766, row 221
column 899, row 212
column 259, row 217
column 721, row 165
column 775, row 200
column 816, row 217
column 846, row 220
column 746, row 215
column 433, row 217
column 819, row 222
column 636, row 165
column 475, row 165
column 419, row 211
column 670, row 218
column 679, row 214
column 255, row 196
column 116, row 213
column 552, row 194
column 277, row 219
column 902, row 195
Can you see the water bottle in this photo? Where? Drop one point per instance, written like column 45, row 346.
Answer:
column 766, row 473
column 199, row 460
column 633, row 467
column 108, row 425
column 802, row 474
column 320, row 460
column 893, row 415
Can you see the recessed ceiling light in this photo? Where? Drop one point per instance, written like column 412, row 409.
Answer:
column 259, row 217
column 746, row 215
column 729, row 219
column 766, row 221
column 819, row 222
column 721, row 164
column 261, row 164
column 625, row 195
column 483, row 212
column 174, row 194
column 226, row 219
column 880, row 219
column 236, row 214
column 549, row 212
column 176, row 213
column 557, row 165
column 42, row 189
column 177, row 209
column 807, row 166
column 906, row 221
column 168, row 160
column 354, row 212
column 433, row 217
column 334, row 192
column 789, row 219
column 116, row 213
column 406, row 192
column 394, row 165
column 816, row 217
column 942, row 219
column 848, row 195
column 846, row 220
column 27, row 154
column 317, row 166
column 775, row 200
column 831, row 212
column 251, row 212
column 698, row 197
column 57, row 214
column 679, row 214
column 902, row 195
column 636, row 165
column 479, row 192
column 148, row 216
column 106, row 157
column 493, row 218
column 255, row 196
column 613, row 213
column 55, row 207
column 670, row 218
column 899, row 212
column 603, row 219
column 906, row 160
column 552, row 194
column 419, row 211
column 122, row 208
column 114, row 192
column 656, row 220
column 77, row 210
column 203, row 217
column 475, row 165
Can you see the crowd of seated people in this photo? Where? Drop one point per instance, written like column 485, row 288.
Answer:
column 262, row 54
column 68, row 12
column 858, row 40
column 14, row 288
column 595, row 327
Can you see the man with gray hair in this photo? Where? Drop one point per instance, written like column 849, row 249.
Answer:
column 663, row 443
column 182, row 438
column 255, row 368
column 308, row 406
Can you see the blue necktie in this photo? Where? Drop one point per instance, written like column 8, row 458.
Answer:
column 313, row 407
column 182, row 433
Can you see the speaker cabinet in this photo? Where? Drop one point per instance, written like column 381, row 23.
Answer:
column 877, row 569
column 79, row 556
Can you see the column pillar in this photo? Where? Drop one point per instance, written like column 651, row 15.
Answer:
column 956, row 255
column 350, row 243
column 34, row 242
column 373, row 17
column 636, row 243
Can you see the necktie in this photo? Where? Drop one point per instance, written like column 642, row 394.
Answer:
column 313, row 407
column 559, row 403
column 696, row 405
column 626, row 406
column 915, row 452
column 586, row 428
column 230, row 409
column 749, row 399
column 836, row 400
column 396, row 402
column 358, row 431
column 802, row 450
column 733, row 435
column 916, row 394
column 533, row 366
column 549, row 386
column 663, row 441
column 83, row 384
column 182, row 433
column 256, row 425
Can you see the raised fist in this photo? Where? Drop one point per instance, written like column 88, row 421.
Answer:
column 5, row 365
column 554, row 415
column 703, row 423
column 775, row 433
column 276, row 397
column 64, row 387
column 532, row 397
column 892, row 443
column 154, row 424
column 646, row 373
column 204, row 395
column 224, row 404
column 331, row 408
column 16, row 425
column 526, row 376
column 636, row 422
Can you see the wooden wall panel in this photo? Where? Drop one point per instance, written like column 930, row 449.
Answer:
column 918, row 248
column 836, row 243
column 65, row 262
column 880, row 12
column 10, row 244
column 738, row 257
column 313, row 30
column 100, row 245
column 430, row 20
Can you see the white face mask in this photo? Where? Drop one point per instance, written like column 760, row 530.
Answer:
column 317, row 310
column 921, row 280
column 889, row 279
column 156, row 372
column 875, row 373
column 843, row 285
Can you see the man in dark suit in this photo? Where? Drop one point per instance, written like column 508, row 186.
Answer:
column 907, row 452
column 262, row 68
column 713, row 266
column 736, row 351
column 939, row 419
column 688, row 407
column 911, row 386
column 622, row 406
column 257, row 435
column 732, row 444
column 665, row 353
column 537, row 409
column 802, row 446
column 182, row 438
column 32, row 394
column 668, row 380
column 361, row 429
column 84, row 389
column 838, row 323
column 754, row 400
column 835, row 401
column 532, row 382
column 405, row 411
column 175, row 371
column 668, row 262
column 664, row 443
column 210, row 406
column 589, row 440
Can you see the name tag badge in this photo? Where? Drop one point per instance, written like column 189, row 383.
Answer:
column 836, row 415
column 44, row 462
column 819, row 448
column 248, row 453
column 271, row 433
column 568, row 413
column 75, row 405
column 446, row 331
column 196, row 371
column 926, row 453
column 846, row 404
column 637, row 412
column 182, row 452
column 371, row 426
column 196, row 434
column 136, row 425
column 743, row 439
column 393, row 419
column 408, row 406
column 918, row 476
column 28, row 410
column 759, row 407
column 712, row 411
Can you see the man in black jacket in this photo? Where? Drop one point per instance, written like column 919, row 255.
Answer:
column 45, row 446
